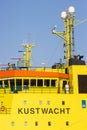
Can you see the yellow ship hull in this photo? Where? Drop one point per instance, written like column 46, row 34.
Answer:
column 46, row 98
column 43, row 111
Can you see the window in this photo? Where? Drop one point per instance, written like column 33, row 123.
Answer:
column 67, row 123
column 83, row 103
column 0, row 84
column 25, row 102
column 63, row 102
column 26, row 84
column 64, row 83
column 6, row 83
column 40, row 102
column 36, row 123
column 53, row 83
column 12, row 84
column 26, row 81
column 40, row 82
column 48, row 102
column 25, row 123
column 47, row 82
column 33, row 83
column 49, row 123
column 12, row 123
column 82, row 83
column 19, row 84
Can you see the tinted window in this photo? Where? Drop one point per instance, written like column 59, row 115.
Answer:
column 82, row 83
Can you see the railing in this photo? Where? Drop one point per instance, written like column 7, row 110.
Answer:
column 43, row 90
column 31, row 90
column 4, row 91
column 36, row 90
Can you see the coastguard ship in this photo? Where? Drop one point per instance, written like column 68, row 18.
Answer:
column 52, row 98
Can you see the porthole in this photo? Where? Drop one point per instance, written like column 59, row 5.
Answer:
column 36, row 123
column 63, row 102
column 67, row 123
column 25, row 123
column 40, row 102
column 12, row 123
column 25, row 102
column 48, row 102
column 49, row 123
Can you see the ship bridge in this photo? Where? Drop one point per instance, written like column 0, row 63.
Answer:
column 45, row 98
column 39, row 80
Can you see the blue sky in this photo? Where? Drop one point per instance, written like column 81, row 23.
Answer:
column 32, row 21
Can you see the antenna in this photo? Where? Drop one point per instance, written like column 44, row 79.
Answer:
column 3, row 64
column 80, row 22
column 15, row 58
column 68, row 34
column 27, row 55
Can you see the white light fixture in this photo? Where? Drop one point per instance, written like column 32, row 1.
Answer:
column 63, row 15
column 71, row 10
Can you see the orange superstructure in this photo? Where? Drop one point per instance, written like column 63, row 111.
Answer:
column 31, row 73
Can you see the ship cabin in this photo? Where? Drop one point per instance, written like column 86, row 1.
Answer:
column 40, row 80
column 44, row 80
column 58, row 79
column 25, row 79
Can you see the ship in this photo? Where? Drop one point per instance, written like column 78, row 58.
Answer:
column 42, row 98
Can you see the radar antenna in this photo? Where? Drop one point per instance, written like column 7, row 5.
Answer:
column 68, row 34
column 26, row 61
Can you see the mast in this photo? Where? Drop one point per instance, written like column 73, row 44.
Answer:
column 68, row 34
column 25, row 62
column 27, row 55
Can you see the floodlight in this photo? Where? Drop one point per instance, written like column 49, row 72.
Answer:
column 71, row 10
column 64, row 15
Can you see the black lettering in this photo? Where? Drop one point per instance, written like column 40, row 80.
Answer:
column 56, row 110
column 20, row 111
column 44, row 110
column 68, row 110
column 37, row 109
column 62, row 110
column 32, row 111
column 50, row 111
column 26, row 110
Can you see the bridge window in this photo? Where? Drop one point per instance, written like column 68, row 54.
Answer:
column 0, row 84
column 33, row 83
column 12, row 84
column 64, row 83
column 6, row 83
column 26, row 84
column 82, row 83
column 19, row 84
column 47, row 82
column 53, row 83
column 26, row 81
column 40, row 82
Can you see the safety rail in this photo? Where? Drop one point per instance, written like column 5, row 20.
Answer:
column 4, row 91
column 36, row 90
column 31, row 90
column 43, row 90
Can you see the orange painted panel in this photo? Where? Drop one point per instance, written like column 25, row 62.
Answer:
column 30, row 73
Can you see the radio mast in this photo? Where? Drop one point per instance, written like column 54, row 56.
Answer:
column 68, row 34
